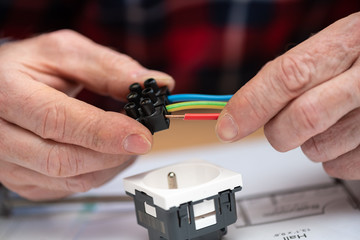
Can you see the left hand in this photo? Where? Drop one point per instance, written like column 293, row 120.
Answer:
column 308, row 97
column 51, row 144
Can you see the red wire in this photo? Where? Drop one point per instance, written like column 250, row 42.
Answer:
column 201, row 116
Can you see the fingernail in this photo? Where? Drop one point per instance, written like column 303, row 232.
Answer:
column 226, row 129
column 138, row 144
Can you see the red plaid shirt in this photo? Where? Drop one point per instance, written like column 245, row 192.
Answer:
column 207, row 46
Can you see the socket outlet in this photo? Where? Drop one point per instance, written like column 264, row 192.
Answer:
column 187, row 200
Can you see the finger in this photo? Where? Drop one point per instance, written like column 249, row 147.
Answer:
column 51, row 158
column 68, row 87
column 315, row 111
column 35, row 193
column 346, row 166
column 98, row 68
column 36, row 186
column 53, row 115
column 339, row 139
column 309, row 64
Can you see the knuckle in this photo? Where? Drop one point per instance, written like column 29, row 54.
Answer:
column 60, row 38
column 81, row 183
column 294, row 72
column 314, row 150
column 61, row 162
column 64, row 45
column 307, row 118
column 97, row 138
column 259, row 108
column 95, row 141
column 53, row 122
column 53, row 39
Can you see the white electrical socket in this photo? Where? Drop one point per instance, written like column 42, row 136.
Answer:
column 186, row 200
column 196, row 180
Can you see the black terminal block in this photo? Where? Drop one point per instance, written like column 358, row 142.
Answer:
column 148, row 105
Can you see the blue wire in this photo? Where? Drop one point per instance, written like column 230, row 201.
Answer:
column 198, row 97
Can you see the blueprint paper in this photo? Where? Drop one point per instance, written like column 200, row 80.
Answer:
column 285, row 196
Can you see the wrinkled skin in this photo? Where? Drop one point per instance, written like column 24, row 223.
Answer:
column 308, row 97
column 52, row 144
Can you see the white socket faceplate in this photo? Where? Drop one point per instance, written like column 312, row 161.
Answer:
column 196, row 180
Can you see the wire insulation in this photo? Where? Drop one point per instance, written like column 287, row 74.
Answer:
column 198, row 97
column 195, row 116
column 201, row 116
column 195, row 105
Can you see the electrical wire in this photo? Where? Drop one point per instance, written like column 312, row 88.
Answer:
column 196, row 101
column 198, row 97
column 195, row 116
column 195, row 105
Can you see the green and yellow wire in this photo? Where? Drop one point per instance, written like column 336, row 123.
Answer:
column 190, row 105
column 195, row 105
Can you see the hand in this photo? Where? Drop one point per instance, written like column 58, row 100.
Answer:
column 51, row 144
column 308, row 97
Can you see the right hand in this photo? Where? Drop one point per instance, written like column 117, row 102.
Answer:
column 51, row 144
column 308, row 97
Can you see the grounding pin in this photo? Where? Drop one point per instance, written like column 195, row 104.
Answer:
column 172, row 182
